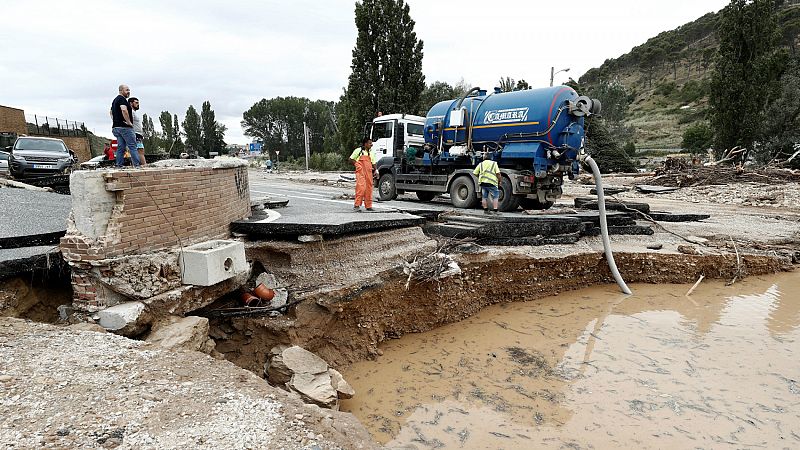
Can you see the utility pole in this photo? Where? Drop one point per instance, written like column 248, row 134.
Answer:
column 553, row 73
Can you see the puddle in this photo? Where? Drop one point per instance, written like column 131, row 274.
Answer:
column 593, row 369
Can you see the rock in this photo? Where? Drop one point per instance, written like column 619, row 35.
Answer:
column 315, row 388
column 186, row 333
column 342, row 387
column 86, row 326
column 279, row 300
column 688, row 250
column 128, row 319
column 64, row 312
column 267, row 279
column 655, row 246
column 307, row 374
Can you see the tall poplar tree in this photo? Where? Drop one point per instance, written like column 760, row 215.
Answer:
column 194, row 132
column 209, row 124
column 386, row 67
column 746, row 73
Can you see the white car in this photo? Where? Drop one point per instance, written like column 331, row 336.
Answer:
column 93, row 163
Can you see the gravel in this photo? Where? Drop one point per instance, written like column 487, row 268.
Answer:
column 65, row 388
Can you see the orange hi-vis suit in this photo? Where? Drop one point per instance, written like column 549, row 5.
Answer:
column 363, row 160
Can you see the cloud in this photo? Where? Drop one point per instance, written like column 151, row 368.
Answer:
column 65, row 59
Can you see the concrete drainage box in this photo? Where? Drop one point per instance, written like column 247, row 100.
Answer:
column 210, row 262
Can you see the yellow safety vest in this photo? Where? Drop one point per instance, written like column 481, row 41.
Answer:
column 486, row 172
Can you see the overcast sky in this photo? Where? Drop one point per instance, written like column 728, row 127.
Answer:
column 66, row 58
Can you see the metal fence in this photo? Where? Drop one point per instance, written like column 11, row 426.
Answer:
column 52, row 126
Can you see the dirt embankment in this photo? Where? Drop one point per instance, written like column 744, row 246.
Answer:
column 346, row 325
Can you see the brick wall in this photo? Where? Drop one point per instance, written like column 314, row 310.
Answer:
column 80, row 145
column 12, row 120
column 120, row 213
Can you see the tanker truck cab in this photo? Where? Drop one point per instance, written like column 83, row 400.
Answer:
column 392, row 134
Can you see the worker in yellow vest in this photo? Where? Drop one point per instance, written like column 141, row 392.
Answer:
column 488, row 173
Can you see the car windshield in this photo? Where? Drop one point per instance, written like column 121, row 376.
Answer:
column 40, row 144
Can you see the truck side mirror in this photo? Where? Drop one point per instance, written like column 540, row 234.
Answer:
column 366, row 130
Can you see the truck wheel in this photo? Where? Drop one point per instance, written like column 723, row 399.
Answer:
column 386, row 187
column 462, row 192
column 534, row 203
column 507, row 201
column 426, row 196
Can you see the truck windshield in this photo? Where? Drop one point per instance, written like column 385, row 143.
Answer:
column 415, row 129
column 381, row 130
column 40, row 144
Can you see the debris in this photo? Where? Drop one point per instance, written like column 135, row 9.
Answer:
column 185, row 333
column 343, row 388
column 301, row 371
column 434, row 266
column 309, row 238
column 697, row 283
column 17, row 184
column 652, row 189
column 657, row 246
column 609, row 190
column 128, row 319
column 688, row 250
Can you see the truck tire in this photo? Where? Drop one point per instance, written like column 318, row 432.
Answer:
column 508, row 201
column 387, row 190
column 534, row 203
column 426, row 196
column 462, row 192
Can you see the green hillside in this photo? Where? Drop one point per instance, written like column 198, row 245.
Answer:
column 666, row 78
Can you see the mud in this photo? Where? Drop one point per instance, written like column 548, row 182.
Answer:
column 345, row 325
column 595, row 369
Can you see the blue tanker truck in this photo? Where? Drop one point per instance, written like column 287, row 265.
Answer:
column 536, row 136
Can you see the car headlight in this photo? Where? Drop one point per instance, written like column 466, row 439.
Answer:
column 64, row 159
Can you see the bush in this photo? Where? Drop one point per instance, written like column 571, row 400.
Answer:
column 697, row 138
column 327, row 162
column 665, row 89
column 629, row 148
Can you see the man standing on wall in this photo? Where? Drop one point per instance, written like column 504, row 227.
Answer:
column 363, row 158
column 122, row 128
column 488, row 173
column 137, row 129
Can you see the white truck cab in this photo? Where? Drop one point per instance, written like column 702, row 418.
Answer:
column 392, row 134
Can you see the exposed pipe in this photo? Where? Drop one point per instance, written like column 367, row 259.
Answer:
column 601, row 206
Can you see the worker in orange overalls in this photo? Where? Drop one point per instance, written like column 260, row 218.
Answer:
column 363, row 158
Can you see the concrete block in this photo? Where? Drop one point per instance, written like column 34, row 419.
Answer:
column 185, row 333
column 127, row 319
column 211, row 262
column 92, row 204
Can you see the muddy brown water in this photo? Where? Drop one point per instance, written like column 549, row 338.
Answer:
column 596, row 369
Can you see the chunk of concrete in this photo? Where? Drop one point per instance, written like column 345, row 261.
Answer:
column 342, row 387
column 185, row 333
column 267, row 279
column 303, row 372
column 315, row 388
column 128, row 319
column 212, row 262
column 92, row 203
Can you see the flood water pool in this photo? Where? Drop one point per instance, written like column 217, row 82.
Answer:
column 596, row 369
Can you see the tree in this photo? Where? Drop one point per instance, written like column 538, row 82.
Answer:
column 208, row 123
column 780, row 134
column 522, row 85
column 507, row 84
column 278, row 123
column 152, row 144
column 697, row 138
column 177, row 147
column 746, row 72
column 434, row 93
column 386, row 67
column 600, row 144
column 194, row 132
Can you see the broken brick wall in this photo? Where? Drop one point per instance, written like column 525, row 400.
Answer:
column 119, row 215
